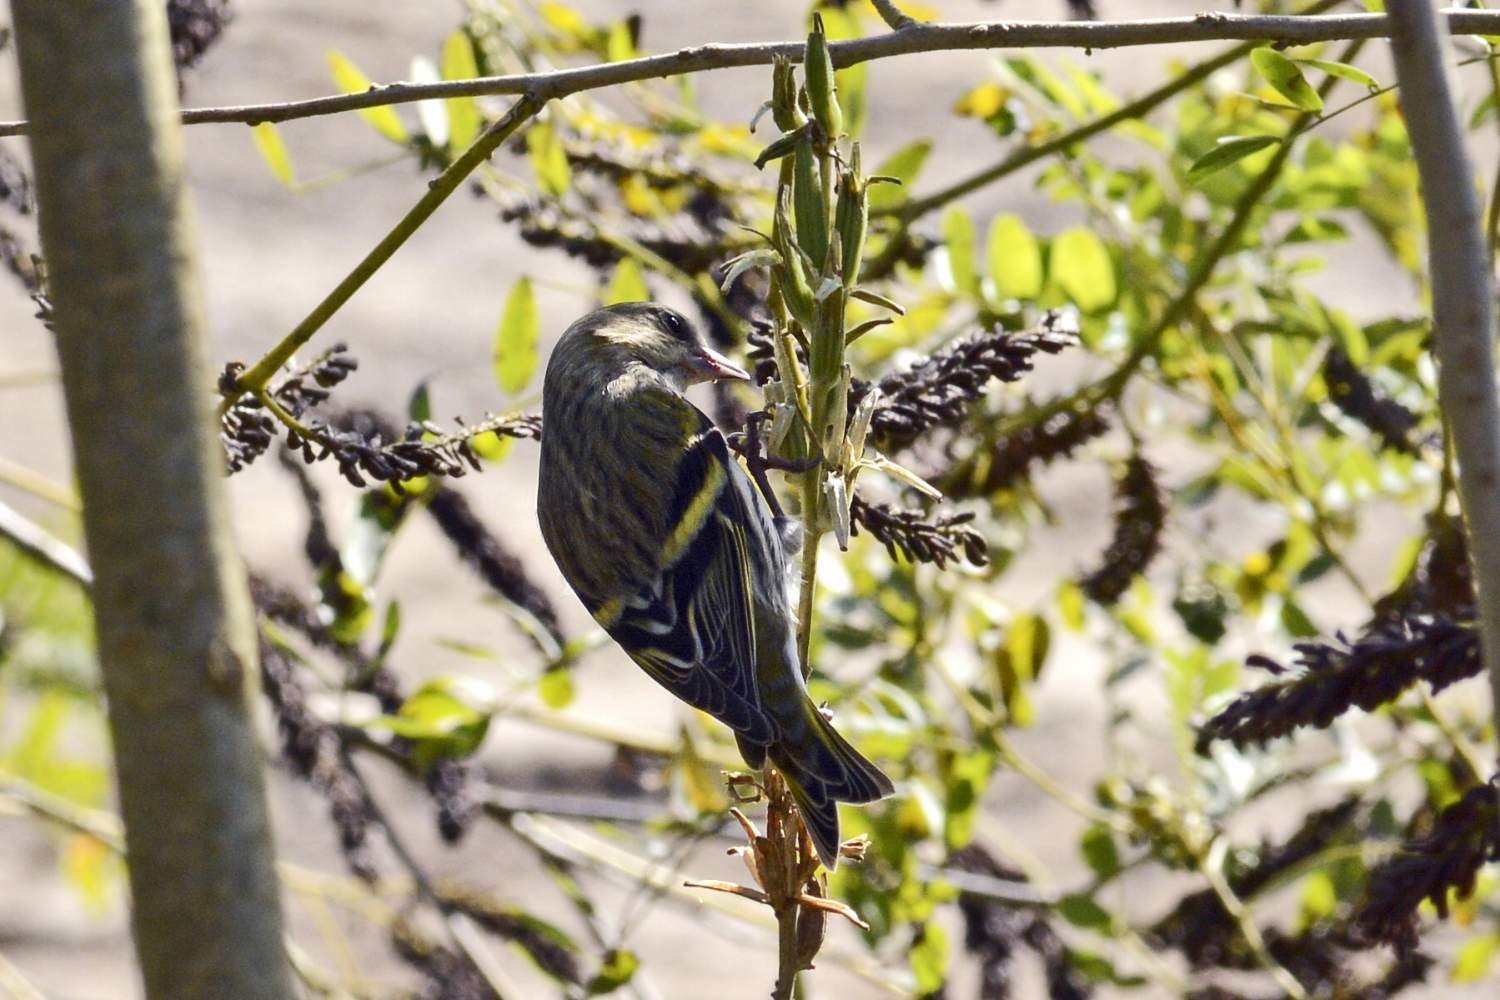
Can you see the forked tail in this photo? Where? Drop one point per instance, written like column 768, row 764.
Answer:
column 822, row 770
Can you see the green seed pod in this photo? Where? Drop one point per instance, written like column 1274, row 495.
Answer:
column 807, row 201
column 784, row 108
column 822, row 90
column 851, row 219
column 796, row 292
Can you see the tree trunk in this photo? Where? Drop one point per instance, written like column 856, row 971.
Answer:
column 1463, row 301
column 172, row 611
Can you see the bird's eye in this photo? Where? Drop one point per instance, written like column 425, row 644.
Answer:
column 675, row 325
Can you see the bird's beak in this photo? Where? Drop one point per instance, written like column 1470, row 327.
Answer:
column 707, row 365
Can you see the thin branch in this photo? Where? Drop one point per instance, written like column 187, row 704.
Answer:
column 15, row 984
column 38, row 485
column 917, row 207
column 1462, row 301
column 1289, row 29
column 894, row 16
column 31, row 539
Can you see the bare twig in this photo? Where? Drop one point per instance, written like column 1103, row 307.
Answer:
column 31, row 539
column 1462, row 300
column 894, row 16
column 914, row 38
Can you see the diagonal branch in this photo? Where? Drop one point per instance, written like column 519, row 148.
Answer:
column 437, row 192
column 917, row 37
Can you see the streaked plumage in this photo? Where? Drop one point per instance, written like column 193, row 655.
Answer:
column 673, row 550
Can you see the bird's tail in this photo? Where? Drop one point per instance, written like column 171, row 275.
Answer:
column 822, row 770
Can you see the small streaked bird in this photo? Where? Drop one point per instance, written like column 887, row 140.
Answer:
column 673, row 550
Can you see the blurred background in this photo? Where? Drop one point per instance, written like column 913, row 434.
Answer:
column 429, row 319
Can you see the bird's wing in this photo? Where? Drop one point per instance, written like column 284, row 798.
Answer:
column 692, row 627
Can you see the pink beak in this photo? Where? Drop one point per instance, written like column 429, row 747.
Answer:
column 707, row 365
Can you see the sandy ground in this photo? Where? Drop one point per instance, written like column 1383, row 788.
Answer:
column 268, row 255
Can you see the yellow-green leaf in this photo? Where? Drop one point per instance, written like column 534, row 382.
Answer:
column 548, row 160
column 1286, row 79
column 1083, row 269
column 351, row 80
column 1343, row 71
column 628, row 283
column 1474, row 957
column 958, row 238
column 903, row 164
column 515, row 341
column 1230, row 149
column 463, row 112
column 274, row 152
column 1015, row 259
column 556, row 688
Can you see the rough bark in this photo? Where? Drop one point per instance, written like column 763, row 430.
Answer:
column 1463, row 302
column 175, row 633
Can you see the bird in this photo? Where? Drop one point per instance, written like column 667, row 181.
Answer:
column 674, row 551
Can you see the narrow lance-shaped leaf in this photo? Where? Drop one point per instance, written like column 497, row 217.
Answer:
column 463, row 112
column 628, row 283
column 548, row 160
column 516, row 340
column 351, row 80
column 958, row 238
column 903, row 164
column 1231, row 149
column 274, row 152
column 1343, row 71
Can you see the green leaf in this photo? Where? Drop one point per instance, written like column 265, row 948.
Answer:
column 618, row 968
column 1296, row 622
column 618, row 45
column 351, row 80
column 968, row 775
column 1098, row 848
column 463, row 112
column 628, row 283
column 958, row 237
column 1082, row 268
column 419, row 406
column 903, row 164
column 1286, row 79
column 516, row 340
column 1015, row 259
column 556, row 688
column 274, row 152
column 445, row 717
column 548, row 161
column 1474, row 958
column 1343, row 71
column 1081, row 911
column 929, row 958
column 1231, row 149
column 1071, row 606
column 1320, row 898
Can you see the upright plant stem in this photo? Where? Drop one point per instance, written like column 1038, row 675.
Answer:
column 172, row 614
column 1463, row 303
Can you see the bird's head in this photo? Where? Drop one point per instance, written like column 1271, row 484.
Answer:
column 643, row 334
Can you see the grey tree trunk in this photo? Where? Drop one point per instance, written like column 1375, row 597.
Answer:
column 173, row 617
column 1463, row 299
